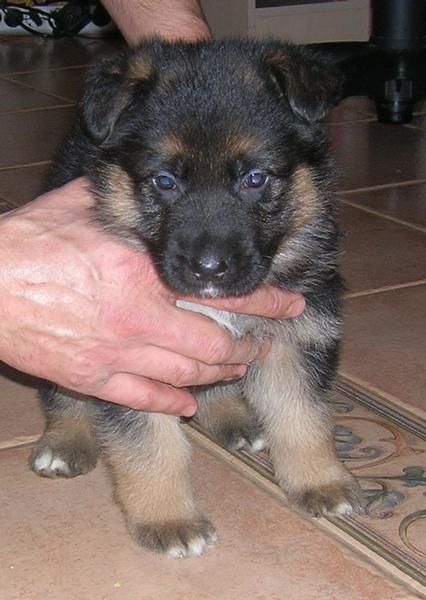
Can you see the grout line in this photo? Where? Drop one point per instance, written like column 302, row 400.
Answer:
column 382, row 186
column 11, row 74
column 387, row 400
column 19, row 442
column 387, row 288
column 377, row 213
column 408, row 417
column 37, row 109
column 374, row 118
column 32, row 164
column 34, row 89
column 351, row 122
column 416, row 127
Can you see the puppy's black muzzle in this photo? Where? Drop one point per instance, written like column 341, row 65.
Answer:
column 209, row 246
column 207, row 265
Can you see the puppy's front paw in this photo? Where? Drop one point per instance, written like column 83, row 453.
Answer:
column 62, row 458
column 238, row 438
column 335, row 499
column 179, row 539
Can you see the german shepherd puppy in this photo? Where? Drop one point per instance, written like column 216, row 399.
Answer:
column 212, row 157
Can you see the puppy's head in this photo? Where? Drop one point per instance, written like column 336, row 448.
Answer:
column 211, row 155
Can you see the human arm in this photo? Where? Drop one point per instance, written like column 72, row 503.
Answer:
column 90, row 313
column 169, row 19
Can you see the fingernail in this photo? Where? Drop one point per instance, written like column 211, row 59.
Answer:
column 296, row 308
column 240, row 371
column 189, row 411
column 237, row 374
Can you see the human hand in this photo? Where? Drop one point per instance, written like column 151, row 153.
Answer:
column 90, row 313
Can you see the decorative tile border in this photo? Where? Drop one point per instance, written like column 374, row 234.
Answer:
column 386, row 450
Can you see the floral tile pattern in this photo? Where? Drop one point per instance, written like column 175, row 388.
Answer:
column 387, row 453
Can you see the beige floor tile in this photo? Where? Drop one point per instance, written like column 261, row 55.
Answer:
column 64, row 83
column 360, row 104
column 32, row 136
column 22, row 184
column 20, row 414
column 379, row 252
column 33, row 54
column 365, row 105
column 65, row 539
column 406, row 203
column 14, row 96
column 370, row 154
column 342, row 114
column 419, row 121
column 384, row 344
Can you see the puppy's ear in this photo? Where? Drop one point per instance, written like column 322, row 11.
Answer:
column 311, row 84
column 110, row 88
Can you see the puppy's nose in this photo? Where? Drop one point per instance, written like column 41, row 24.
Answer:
column 209, row 266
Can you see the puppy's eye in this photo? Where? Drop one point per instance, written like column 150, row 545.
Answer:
column 255, row 179
column 165, row 182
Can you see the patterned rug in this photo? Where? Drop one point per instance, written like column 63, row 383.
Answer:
column 386, row 449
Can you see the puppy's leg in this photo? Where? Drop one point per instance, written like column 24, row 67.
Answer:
column 226, row 415
column 296, row 411
column 148, row 456
column 68, row 446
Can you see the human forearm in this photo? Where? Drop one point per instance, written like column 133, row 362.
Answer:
column 169, row 19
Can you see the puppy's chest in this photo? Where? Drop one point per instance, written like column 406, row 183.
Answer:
column 237, row 324
column 312, row 327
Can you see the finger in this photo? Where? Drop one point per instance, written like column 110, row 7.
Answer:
column 177, row 370
column 141, row 393
column 197, row 337
column 265, row 301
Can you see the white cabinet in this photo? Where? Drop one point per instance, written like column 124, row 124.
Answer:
column 342, row 20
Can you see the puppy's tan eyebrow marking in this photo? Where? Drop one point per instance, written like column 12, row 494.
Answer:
column 173, row 145
column 140, row 68
column 241, row 144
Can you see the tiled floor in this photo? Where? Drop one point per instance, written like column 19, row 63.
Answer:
column 66, row 540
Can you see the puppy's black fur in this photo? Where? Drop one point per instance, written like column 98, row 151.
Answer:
column 213, row 158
